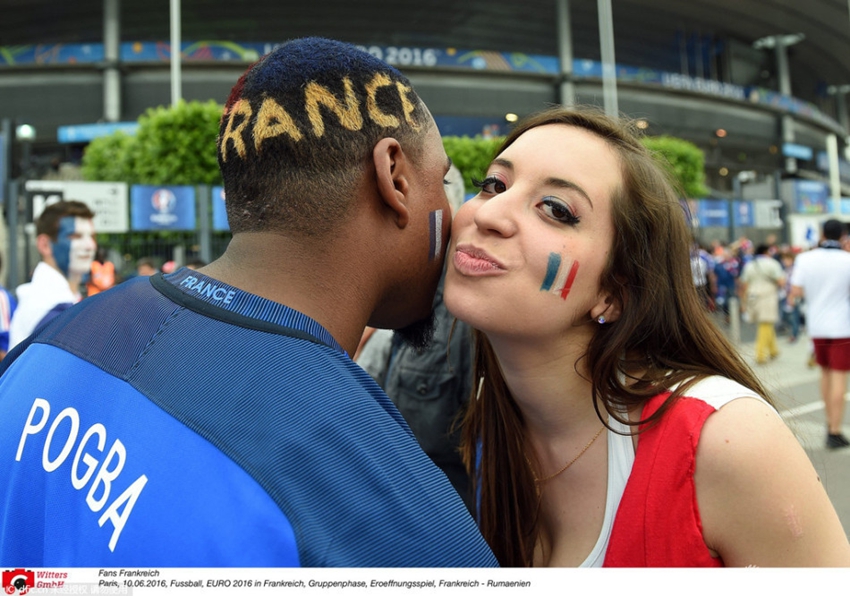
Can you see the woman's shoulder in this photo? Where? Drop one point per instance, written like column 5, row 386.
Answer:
column 702, row 400
column 757, row 491
column 717, row 391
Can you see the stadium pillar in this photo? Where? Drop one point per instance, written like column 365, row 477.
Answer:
column 176, row 85
column 567, row 90
column 609, row 65
column 112, row 57
column 780, row 45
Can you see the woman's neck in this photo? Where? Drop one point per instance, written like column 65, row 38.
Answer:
column 549, row 382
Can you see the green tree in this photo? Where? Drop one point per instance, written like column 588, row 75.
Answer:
column 684, row 160
column 177, row 145
column 173, row 145
column 107, row 159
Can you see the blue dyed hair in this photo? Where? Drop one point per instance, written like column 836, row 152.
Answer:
column 299, row 127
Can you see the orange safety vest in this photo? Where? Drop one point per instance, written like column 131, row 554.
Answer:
column 102, row 277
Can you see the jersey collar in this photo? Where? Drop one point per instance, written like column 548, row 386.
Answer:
column 218, row 300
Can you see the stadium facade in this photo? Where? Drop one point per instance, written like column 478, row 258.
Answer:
column 759, row 85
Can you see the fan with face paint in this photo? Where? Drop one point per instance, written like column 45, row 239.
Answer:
column 75, row 246
column 65, row 241
column 65, row 238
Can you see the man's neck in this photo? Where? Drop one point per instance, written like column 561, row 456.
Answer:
column 74, row 279
column 308, row 276
column 74, row 282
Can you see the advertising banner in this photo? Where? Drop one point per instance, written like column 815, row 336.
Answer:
column 812, row 196
column 108, row 200
column 712, row 213
column 218, row 210
column 743, row 214
column 83, row 133
column 162, row 207
column 804, row 230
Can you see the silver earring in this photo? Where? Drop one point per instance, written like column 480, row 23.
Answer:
column 601, row 320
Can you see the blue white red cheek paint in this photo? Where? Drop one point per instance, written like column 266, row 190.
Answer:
column 435, row 225
column 559, row 280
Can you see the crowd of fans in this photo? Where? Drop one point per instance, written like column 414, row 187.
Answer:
column 718, row 266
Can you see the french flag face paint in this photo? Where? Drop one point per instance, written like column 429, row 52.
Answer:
column 75, row 246
column 435, row 225
column 559, row 280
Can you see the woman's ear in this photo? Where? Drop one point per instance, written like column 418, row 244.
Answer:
column 607, row 307
column 391, row 173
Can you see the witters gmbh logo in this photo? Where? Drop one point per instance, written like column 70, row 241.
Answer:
column 18, row 581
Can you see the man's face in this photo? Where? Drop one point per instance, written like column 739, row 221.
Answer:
column 75, row 246
column 431, row 220
column 409, row 306
column 435, row 165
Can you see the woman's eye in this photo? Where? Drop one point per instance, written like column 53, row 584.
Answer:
column 558, row 211
column 490, row 185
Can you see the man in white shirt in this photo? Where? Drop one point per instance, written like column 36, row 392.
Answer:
column 823, row 276
column 65, row 241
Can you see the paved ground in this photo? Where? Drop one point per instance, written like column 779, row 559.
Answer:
column 796, row 390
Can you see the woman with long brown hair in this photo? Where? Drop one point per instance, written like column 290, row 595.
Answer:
column 612, row 422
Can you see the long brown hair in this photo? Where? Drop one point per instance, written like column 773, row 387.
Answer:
column 662, row 338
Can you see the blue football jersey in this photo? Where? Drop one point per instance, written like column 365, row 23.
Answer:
column 178, row 421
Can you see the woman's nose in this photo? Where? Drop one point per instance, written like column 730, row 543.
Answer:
column 498, row 214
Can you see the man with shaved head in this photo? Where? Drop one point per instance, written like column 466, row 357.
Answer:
column 214, row 417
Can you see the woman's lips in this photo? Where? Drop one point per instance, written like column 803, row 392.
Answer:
column 472, row 261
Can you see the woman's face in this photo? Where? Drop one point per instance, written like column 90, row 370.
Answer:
column 528, row 251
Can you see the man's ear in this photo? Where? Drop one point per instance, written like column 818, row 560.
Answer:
column 391, row 173
column 45, row 246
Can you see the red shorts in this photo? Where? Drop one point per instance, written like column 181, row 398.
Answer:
column 833, row 353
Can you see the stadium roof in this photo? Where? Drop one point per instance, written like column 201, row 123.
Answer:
column 529, row 26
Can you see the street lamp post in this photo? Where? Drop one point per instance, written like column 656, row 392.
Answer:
column 738, row 181
column 24, row 133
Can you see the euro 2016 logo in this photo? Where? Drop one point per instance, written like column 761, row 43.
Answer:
column 163, row 200
column 18, row 580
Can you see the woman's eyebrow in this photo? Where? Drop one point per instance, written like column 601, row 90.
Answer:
column 552, row 181
column 566, row 184
column 505, row 163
